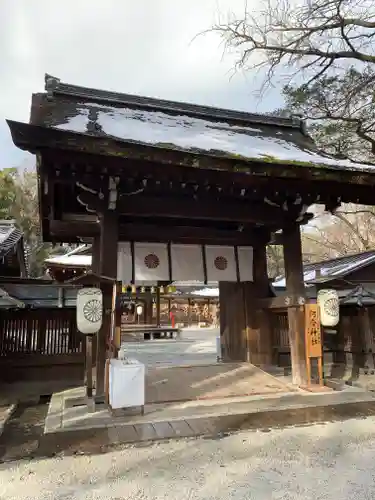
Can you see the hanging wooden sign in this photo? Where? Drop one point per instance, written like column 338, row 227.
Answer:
column 313, row 340
column 313, row 331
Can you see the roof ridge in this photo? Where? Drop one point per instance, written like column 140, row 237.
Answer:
column 54, row 86
column 338, row 259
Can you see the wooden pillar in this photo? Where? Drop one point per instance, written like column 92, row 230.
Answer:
column 245, row 329
column 258, row 321
column 367, row 339
column 95, row 258
column 117, row 315
column 169, row 311
column 233, row 331
column 339, row 355
column 295, row 287
column 157, row 306
column 95, row 268
column 148, row 310
column 189, row 312
column 108, row 267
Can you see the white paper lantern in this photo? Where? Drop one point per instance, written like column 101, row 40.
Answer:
column 139, row 310
column 89, row 310
column 329, row 306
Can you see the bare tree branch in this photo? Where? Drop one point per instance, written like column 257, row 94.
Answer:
column 312, row 36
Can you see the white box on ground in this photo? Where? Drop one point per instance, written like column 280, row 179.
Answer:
column 126, row 383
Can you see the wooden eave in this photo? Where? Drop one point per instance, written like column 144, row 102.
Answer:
column 35, row 139
column 66, row 158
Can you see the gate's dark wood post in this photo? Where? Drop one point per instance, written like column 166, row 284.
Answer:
column 89, row 384
column 157, row 306
column 95, row 262
column 295, row 287
column 108, row 267
column 189, row 312
column 245, row 328
column 148, row 310
column 95, row 268
column 233, row 330
column 258, row 324
column 367, row 339
column 117, row 318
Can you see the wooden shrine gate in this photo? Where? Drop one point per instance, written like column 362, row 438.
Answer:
column 40, row 345
column 142, row 170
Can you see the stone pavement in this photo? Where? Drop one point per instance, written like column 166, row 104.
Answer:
column 78, row 429
column 37, row 429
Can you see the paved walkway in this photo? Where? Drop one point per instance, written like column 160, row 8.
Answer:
column 195, row 347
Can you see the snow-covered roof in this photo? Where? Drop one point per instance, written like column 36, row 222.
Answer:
column 182, row 126
column 332, row 269
column 206, row 292
column 74, row 258
column 8, row 302
column 10, row 235
column 190, row 133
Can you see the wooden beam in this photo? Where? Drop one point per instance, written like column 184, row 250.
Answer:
column 295, row 287
column 156, row 233
column 324, row 189
column 233, row 211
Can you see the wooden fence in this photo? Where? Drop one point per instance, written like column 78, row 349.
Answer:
column 40, row 344
column 355, row 337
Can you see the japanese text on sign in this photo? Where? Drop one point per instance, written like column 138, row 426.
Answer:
column 313, row 331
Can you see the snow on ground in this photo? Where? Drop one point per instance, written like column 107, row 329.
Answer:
column 329, row 461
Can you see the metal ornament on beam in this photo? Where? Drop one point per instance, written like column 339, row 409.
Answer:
column 100, row 201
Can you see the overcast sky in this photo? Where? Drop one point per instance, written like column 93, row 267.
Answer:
column 143, row 47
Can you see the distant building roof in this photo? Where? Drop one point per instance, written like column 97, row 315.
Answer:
column 8, row 302
column 10, row 235
column 42, row 295
column 320, row 272
column 11, row 239
column 206, row 292
column 79, row 257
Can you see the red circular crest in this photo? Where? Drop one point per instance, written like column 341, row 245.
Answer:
column 152, row 261
column 221, row 263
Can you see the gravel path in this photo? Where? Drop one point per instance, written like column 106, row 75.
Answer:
column 326, row 461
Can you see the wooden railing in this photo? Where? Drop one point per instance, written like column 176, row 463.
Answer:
column 42, row 331
column 41, row 345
